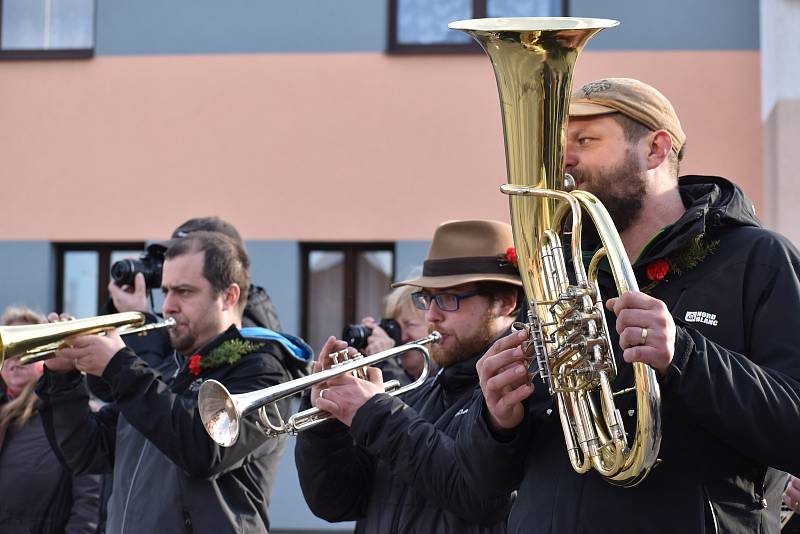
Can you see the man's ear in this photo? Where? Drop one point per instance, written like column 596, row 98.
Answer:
column 230, row 296
column 659, row 147
column 506, row 303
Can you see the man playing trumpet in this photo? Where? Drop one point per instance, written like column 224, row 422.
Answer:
column 169, row 476
column 388, row 462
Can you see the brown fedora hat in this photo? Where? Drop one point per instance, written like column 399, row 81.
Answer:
column 468, row 251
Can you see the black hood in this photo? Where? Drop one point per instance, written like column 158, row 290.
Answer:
column 712, row 203
column 260, row 311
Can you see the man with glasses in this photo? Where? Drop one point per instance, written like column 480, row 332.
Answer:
column 388, row 462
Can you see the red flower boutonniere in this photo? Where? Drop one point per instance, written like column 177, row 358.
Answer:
column 657, row 270
column 227, row 353
column 511, row 256
column 194, row 364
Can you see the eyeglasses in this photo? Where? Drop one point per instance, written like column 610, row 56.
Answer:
column 445, row 301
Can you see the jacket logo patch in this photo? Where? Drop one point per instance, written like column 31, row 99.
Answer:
column 462, row 411
column 701, row 317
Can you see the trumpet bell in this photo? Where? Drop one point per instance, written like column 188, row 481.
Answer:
column 219, row 413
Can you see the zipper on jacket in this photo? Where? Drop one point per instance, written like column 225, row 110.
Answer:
column 710, row 506
column 130, row 490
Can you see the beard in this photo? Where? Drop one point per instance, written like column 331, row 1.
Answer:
column 465, row 346
column 183, row 343
column 620, row 189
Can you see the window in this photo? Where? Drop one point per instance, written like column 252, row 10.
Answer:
column 419, row 26
column 342, row 282
column 46, row 28
column 83, row 274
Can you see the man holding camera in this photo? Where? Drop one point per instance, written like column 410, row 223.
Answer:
column 388, row 462
column 132, row 279
column 169, row 476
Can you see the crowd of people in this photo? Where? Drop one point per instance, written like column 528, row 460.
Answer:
column 479, row 446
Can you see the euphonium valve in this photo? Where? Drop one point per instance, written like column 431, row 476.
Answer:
column 533, row 60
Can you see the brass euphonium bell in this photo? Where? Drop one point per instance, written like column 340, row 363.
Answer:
column 533, row 60
column 36, row 342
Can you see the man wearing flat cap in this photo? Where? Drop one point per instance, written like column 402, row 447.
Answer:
column 388, row 462
column 717, row 317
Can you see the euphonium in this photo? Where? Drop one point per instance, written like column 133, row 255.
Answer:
column 222, row 412
column 533, row 60
column 36, row 342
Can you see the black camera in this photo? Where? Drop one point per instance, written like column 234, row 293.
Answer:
column 150, row 264
column 356, row 334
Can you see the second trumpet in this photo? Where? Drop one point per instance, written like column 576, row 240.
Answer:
column 221, row 411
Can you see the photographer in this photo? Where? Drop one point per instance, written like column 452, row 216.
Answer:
column 132, row 279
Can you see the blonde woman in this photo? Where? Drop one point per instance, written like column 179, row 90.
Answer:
column 37, row 494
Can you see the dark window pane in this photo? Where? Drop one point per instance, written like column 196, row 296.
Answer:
column 374, row 277
column 524, row 8
column 326, row 282
column 425, row 21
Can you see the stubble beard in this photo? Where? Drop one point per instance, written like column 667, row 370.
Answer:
column 621, row 189
column 183, row 343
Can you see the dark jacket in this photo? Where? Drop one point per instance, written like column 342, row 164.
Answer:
column 37, row 494
column 394, row 470
column 169, row 476
column 730, row 399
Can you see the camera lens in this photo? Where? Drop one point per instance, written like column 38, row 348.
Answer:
column 356, row 335
column 123, row 272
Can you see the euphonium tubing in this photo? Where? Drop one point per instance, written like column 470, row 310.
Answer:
column 533, row 61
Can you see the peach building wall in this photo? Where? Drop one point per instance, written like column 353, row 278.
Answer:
column 308, row 146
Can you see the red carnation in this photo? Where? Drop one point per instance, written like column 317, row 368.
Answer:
column 194, row 364
column 511, row 255
column 657, row 270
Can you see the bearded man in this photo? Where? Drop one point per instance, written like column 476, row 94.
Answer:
column 717, row 318
column 388, row 462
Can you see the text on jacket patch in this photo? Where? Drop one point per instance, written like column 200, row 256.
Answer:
column 701, row 317
column 462, row 411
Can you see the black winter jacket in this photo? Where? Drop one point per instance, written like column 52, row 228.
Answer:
column 730, row 399
column 37, row 494
column 169, row 476
column 394, row 470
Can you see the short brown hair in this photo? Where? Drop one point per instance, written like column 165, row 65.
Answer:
column 224, row 261
column 635, row 130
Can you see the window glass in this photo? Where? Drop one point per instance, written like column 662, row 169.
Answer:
column 524, row 8
column 72, row 24
column 374, row 275
column 425, row 21
column 47, row 24
column 80, row 283
column 326, row 291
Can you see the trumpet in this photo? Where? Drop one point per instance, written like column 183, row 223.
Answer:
column 37, row 342
column 222, row 412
